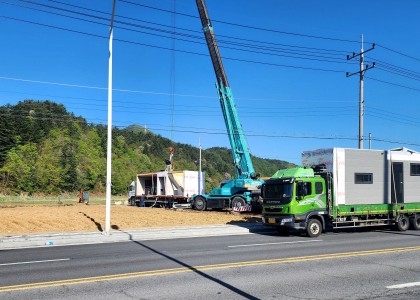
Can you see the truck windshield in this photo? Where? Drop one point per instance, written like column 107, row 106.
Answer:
column 280, row 191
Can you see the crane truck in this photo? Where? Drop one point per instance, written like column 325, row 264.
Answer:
column 242, row 192
column 343, row 188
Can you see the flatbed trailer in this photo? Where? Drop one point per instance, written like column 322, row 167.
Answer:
column 162, row 201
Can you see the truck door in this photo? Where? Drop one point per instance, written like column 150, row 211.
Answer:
column 397, row 183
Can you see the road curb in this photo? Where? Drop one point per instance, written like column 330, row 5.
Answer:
column 77, row 238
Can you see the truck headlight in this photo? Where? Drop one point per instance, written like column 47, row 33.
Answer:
column 286, row 220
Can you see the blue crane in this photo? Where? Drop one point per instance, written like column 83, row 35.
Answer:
column 243, row 191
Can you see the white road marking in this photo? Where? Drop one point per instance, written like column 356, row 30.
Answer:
column 403, row 285
column 34, row 262
column 279, row 243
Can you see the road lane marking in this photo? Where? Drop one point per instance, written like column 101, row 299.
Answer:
column 403, row 285
column 34, row 262
column 104, row 278
column 279, row 243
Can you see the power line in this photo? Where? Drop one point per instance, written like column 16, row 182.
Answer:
column 395, row 142
column 205, row 112
column 154, row 92
column 384, row 70
column 204, row 130
column 389, row 70
column 245, row 45
column 395, row 67
column 176, row 33
column 393, row 113
column 181, row 95
column 222, row 132
column 337, row 52
column 393, row 119
column 181, row 51
column 398, row 52
column 247, row 26
column 394, row 84
column 273, row 51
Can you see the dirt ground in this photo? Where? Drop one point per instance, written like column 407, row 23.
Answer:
column 80, row 217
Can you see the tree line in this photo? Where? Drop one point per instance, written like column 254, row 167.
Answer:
column 46, row 149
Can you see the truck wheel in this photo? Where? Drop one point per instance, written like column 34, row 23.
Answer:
column 314, row 228
column 415, row 222
column 403, row 223
column 238, row 202
column 200, row 203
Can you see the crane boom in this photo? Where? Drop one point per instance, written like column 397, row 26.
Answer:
column 240, row 151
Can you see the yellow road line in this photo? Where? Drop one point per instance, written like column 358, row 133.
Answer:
column 85, row 280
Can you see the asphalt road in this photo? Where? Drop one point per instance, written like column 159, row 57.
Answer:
column 343, row 265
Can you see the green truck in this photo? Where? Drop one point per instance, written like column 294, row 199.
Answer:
column 342, row 188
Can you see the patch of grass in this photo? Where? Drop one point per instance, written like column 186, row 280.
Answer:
column 8, row 201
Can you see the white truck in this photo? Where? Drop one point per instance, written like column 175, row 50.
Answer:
column 165, row 188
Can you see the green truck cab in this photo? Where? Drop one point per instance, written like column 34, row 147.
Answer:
column 296, row 198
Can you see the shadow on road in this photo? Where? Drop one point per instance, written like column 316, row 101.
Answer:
column 400, row 232
column 201, row 273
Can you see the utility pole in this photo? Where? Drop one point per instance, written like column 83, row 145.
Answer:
column 361, row 86
column 109, row 137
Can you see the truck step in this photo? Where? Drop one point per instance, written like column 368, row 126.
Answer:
column 182, row 206
column 242, row 208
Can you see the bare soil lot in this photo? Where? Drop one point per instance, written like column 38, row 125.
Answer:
column 80, row 217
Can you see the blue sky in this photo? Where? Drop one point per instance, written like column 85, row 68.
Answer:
column 285, row 61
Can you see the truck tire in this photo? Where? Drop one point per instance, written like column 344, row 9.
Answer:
column 415, row 222
column 238, row 202
column 403, row 223
column 200, row 203
column 314, row 228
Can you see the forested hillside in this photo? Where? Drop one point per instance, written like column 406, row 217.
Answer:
column 46, row 149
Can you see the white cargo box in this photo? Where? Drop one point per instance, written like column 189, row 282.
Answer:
column 370, row 176
column 172, row 183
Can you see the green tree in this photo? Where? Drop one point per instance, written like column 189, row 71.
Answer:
column 91, row 161
column 49, row 172
column 19, row 169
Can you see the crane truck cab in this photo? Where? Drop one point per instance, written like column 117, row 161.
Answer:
column 238, row 194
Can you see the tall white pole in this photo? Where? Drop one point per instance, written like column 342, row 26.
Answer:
column 109, row 137
column 199, row 169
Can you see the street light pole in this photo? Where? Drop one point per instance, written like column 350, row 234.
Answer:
column 199, row 169
column 109, row 137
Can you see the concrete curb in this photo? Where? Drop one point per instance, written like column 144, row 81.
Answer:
column 79, row 238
